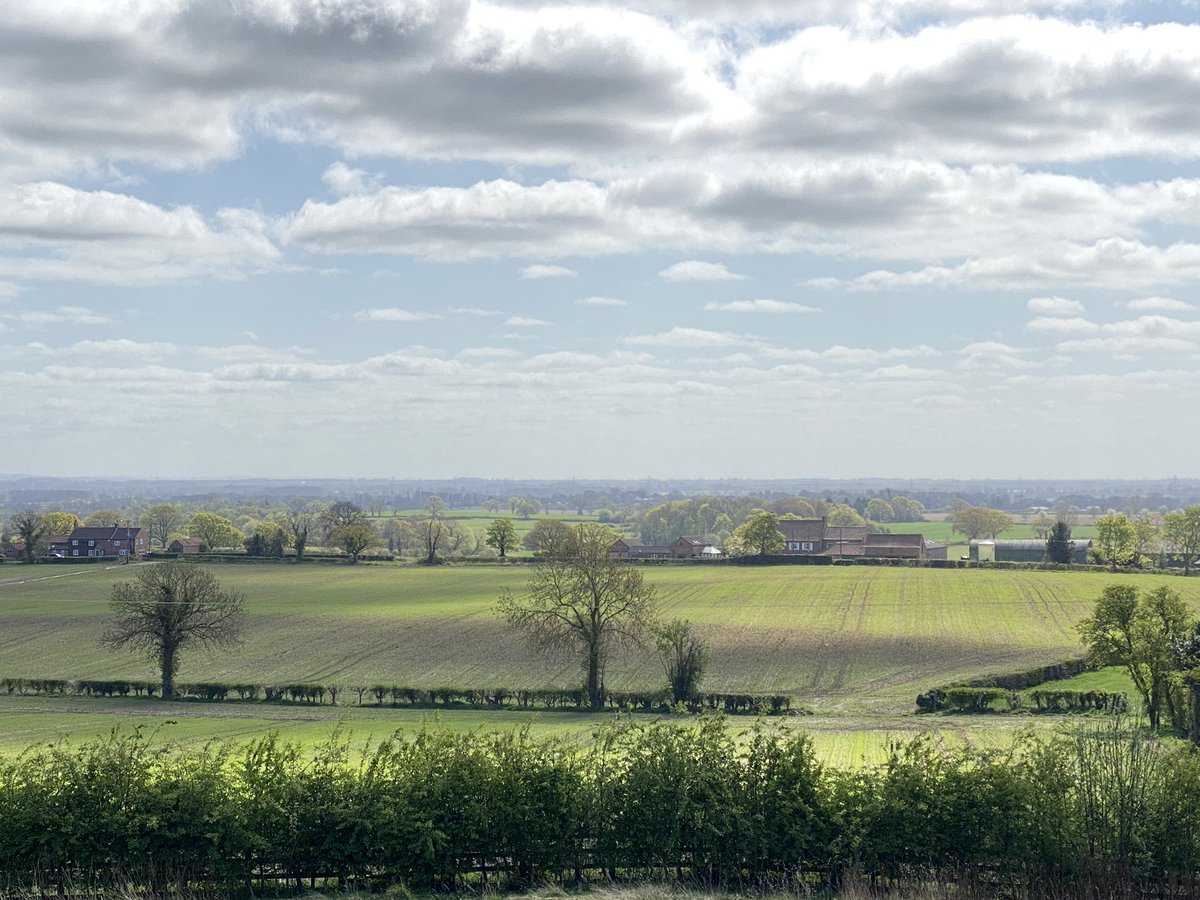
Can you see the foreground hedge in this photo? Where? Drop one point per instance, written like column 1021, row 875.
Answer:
column 1093, row 811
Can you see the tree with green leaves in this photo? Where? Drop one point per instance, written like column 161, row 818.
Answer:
column 169, row 608
column 30, row 527
column 354, row 539
column 547, row 536
column 880, row 510
column 759, row 535
column 579, row 599
column 214, row 531
column 502, row 535
column 979, row 521
column 436, row 506
column 104, row 517
column 1181, row 530
column 1058, row 543
column 684, row 657
column 1116, row 541
column 62, row 523
column 1140, row 632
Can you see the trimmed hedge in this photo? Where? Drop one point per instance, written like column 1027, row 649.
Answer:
column 398, row 695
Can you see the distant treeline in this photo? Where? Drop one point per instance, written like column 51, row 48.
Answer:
column 397, row 695
column 1099, row 813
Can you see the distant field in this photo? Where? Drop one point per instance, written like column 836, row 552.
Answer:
column 479, row 518
column 855, row 639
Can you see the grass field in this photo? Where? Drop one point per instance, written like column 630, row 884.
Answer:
column 855, row 639
column 838, row 740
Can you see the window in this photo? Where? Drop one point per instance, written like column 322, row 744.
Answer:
column 91, row 543
column 807, row 545
column 75, row 544
column 75, row 552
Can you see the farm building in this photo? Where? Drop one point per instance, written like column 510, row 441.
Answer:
column 687, row 547
column 816, row 537
column 185, row 546
column 1024, row 551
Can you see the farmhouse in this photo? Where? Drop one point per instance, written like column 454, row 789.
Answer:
column 1024, row 551
column 107, row 540
column 816, row 537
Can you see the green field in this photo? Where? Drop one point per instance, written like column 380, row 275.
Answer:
column 854, row 644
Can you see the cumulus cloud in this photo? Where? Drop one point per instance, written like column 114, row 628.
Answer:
column 540, row 271
column 1055, row 306
column 525, row 322
column 1071, row 325
column 600, row 301
column 697, row 270
column 63, row 315
column 775, row 307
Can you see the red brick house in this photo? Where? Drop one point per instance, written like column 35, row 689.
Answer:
column 102, row 541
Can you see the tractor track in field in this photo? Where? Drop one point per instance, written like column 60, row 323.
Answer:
column 1035, row 595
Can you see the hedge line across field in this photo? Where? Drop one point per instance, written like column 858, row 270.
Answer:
column 396, row 695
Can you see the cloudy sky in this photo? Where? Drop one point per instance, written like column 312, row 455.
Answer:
column 700, row 238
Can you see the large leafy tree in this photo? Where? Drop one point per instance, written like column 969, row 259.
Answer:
column 979, row 521
column 1116, row 541
column 502, row 535
column 579, row 600
column 169, row 608
column 1181, row 530
column 62, row 523
column 214, row 531
column 355, row 538
column 1140, row 632
column 759, row 535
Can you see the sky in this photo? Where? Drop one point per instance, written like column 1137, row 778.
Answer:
column 644, row 238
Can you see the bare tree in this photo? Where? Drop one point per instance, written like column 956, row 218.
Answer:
column 162, row 519
column 31, row 528
column 579, row 599
column 169, row 608
column 297, row 519
column 433, row 535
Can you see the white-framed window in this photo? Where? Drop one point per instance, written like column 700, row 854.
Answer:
column 75, row 544
column 806, row 545
column 75, row 552
column 91, row 543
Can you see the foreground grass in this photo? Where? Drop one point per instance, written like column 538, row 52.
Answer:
column 853, row 640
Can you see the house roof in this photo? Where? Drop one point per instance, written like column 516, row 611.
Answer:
column 186, row 542
column 856, row 534
column 695, row 541
column 627, row 542
column 104, row 532
column 809, row 530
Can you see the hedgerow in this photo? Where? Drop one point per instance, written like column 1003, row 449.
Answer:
column 1100, row 812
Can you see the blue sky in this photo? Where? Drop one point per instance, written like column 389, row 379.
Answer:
column 647, row 238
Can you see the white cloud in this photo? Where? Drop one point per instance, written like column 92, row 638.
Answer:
column 525, row 322
column 473, row 311
column 63, row 315
column 394, row 314
column 343, row 180
column 680, row 336
column 697, row 270
column 1073, row 325
column 600, row 301
column 490, row 353
column 541, row 271
column 1055, row 306
column 759, row 306
column 1158, row 304
column 122, row 347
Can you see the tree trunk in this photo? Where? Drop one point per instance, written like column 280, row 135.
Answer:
column 595, row 698
column 168, row 672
